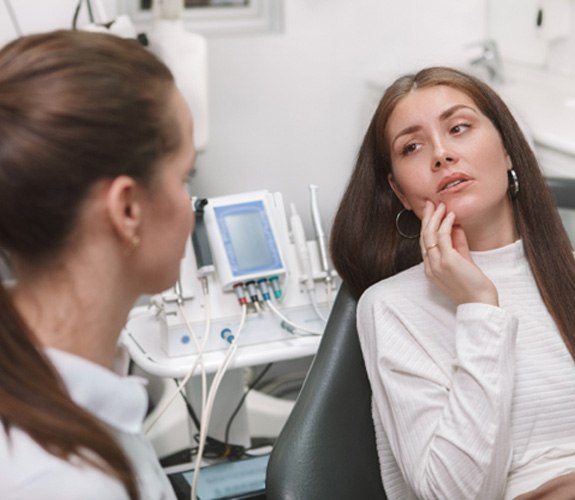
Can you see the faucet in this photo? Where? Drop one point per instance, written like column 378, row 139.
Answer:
column 490, row 60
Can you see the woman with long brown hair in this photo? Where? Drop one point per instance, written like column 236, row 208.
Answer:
column 449, row 234
column 95, row 147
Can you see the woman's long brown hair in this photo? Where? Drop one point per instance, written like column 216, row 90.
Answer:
column 366, row 247
column 75, row 107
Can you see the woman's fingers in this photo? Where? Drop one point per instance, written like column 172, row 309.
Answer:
column 447, row 261
column 444, row 232
column 442, row 248
column 431, row 222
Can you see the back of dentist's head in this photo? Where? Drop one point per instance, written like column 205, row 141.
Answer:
column 75, row 108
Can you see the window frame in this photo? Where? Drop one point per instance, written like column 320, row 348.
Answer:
column 261, row 16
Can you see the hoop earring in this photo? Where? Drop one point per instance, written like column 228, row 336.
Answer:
column 402, row 233
column 513, row 183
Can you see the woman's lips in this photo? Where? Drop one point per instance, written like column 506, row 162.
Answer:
column 453, row 182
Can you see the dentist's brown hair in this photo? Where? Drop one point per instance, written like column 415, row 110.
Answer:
column 365, row 245
column 75, row 108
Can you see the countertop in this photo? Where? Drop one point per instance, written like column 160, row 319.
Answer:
column 545, row 102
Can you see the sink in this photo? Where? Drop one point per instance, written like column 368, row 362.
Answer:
column 545, row 103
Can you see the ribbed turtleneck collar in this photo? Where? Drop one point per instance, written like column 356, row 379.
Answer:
column 506, row 256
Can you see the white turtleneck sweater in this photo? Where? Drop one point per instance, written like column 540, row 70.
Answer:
column 470, row 401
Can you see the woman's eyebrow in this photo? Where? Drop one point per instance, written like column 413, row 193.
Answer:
column 443, row 116
column 450, row 111
column 407, row 130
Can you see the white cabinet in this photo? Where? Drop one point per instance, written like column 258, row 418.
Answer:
column 545, row 103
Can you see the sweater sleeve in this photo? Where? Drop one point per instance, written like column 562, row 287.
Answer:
column 447, row 418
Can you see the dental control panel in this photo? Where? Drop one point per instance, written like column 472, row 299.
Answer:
column 245, row 255
column 243, row 239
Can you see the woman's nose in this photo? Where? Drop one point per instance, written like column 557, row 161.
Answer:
column 442, row 155
column 443, row 160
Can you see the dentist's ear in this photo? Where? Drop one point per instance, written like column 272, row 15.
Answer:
column 398, row 192
column 124, row 208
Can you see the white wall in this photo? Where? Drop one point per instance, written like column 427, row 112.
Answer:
column 290, row 109
column 35, row 15
column 521, row 39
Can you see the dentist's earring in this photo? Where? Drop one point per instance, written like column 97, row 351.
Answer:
column 132, row 245
column 513, row 188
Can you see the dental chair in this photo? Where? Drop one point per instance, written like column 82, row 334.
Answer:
column 327, row 448
column 563, row 188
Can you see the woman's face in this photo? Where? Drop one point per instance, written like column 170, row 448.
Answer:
column 168, row 217
column 444, row 149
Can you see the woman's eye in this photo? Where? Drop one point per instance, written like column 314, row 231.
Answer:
column 409, row 148
column 460, row 127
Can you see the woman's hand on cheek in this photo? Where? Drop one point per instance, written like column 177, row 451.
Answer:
column 447, row 261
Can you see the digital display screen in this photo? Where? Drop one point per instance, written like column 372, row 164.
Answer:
column 231, row 479
column 248, row 239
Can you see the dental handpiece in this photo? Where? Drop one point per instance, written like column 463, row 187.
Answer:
column 301, row 247
column 320, row 235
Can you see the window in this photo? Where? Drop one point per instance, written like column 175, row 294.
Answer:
column 205, row 3
column 216, row 17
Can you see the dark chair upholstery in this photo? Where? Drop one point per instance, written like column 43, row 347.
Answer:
column 327, row 448
column 563, row 189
